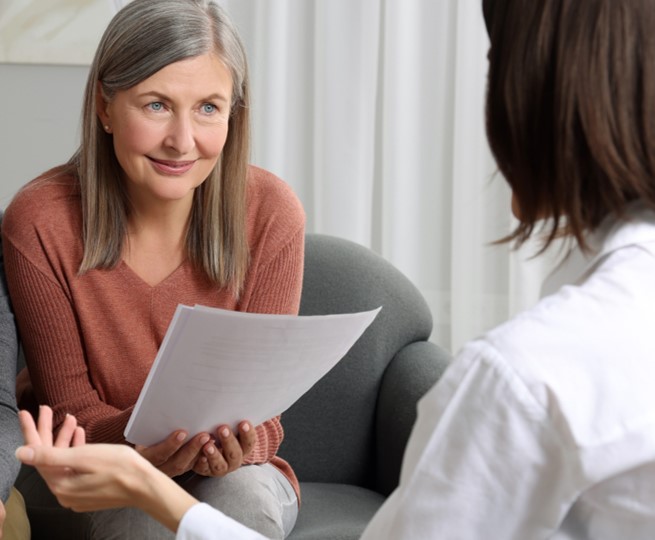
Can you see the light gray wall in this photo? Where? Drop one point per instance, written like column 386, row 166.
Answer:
column 39, row 120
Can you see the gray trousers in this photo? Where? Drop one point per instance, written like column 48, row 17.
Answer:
column 258, row 496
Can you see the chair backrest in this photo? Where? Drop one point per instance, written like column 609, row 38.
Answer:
column 330, row 431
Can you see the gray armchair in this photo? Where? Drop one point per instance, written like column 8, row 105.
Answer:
column 345, row 438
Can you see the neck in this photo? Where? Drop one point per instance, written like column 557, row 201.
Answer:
column 162, row 228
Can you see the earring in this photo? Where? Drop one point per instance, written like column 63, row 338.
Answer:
column 107, row 129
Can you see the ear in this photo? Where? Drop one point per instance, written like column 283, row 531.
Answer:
column 102, row 106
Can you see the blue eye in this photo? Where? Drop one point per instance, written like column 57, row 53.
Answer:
column 156, row 106
column 208, row 108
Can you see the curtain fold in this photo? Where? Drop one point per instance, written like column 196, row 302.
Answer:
column 373, row 111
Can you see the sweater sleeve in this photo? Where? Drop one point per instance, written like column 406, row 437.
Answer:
column 10, row 435
column 277, row 290
column 54, row 352
column 279, row 281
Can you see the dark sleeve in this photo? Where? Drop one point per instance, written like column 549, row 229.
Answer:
column 10, row 435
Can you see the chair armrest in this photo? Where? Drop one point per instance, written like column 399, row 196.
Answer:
column 409, row 375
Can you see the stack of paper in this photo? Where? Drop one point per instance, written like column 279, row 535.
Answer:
column 219, row 367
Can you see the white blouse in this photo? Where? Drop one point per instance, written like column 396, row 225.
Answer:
column 544, row 427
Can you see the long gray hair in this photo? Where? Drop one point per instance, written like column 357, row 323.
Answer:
column 144, row 37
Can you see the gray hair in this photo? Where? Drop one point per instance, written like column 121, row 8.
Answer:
column 147, row 35
column 142, row 38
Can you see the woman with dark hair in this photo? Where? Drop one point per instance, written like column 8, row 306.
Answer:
column 158, row 207
column 545, row 426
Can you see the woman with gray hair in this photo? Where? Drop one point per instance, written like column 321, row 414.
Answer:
column 158, row 207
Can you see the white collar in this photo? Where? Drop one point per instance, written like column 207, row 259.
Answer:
column 636, row 227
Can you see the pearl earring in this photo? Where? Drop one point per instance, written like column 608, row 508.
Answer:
column 107, row 129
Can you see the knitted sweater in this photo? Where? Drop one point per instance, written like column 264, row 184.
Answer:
column 10, row 435
column 90, row 339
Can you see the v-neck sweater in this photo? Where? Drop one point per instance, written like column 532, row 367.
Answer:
column 91, row 339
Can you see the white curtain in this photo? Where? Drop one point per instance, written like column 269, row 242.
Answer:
column 373, row 111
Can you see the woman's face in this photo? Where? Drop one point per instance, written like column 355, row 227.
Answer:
column 170, row 129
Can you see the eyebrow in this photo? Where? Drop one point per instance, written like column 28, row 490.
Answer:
column 164, row 97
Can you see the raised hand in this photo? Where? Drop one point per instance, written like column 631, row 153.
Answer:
column 70, row 434
column 88, row 477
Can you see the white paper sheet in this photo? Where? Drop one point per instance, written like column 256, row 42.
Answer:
column 221, row 367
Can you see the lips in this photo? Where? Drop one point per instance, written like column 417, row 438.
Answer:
column 171, row 167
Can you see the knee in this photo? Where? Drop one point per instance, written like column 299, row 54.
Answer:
column 124, row 523
column 248, row 496
column 16, row 524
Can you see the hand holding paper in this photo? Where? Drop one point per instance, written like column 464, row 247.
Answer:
column 219, row 367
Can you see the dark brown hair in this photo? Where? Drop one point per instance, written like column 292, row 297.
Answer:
column 571, row 108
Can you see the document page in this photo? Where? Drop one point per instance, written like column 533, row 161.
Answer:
column 219, row 367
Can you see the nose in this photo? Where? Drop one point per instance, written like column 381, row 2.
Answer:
column 180, row 136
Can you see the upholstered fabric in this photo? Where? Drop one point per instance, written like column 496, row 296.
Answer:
column 345, row 438
column 334, row 511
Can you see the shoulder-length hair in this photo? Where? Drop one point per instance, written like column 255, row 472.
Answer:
column 144, row 37
column 571, row 109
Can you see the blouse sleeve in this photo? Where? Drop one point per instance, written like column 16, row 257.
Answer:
column 202, row 522
column 54, row 353
column 483, row 458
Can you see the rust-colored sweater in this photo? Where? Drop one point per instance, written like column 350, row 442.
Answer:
column 90, row 340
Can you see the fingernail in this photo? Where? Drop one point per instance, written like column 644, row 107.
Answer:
column 245, row 427
column 24, row 453
column 225, row 433
column 210, row 449
column 204, row 439
column 181, row 436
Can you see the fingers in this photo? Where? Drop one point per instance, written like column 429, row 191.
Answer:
column 160, row 453
column 43, row 456
column 28, row 427
column 70, row 434
column 212, row 462
column 185, row 458
column 79, row 437
column 44, row 425
column 217, row 461
column 26, row 454
column 232, row 452
column 175, row 456
column 201, row 467
column 215, row 453
column 65, row 436
column 92, row 458
column 247, row 438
